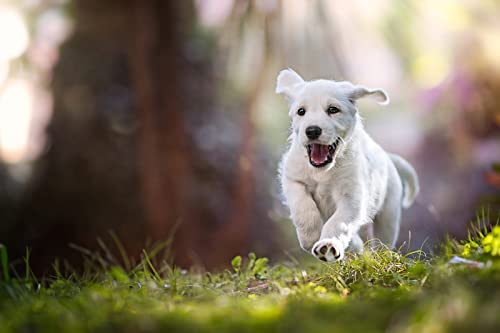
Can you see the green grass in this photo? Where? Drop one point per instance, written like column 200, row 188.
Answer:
column 379, row 291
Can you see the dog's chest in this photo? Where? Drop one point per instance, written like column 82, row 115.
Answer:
column 322, row 195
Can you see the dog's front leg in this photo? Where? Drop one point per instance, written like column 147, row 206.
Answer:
column 304, row 212
column 340, row 228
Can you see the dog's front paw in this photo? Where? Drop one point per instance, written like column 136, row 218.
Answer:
column 328, row 249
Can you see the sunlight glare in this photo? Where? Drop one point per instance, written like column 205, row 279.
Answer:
column 4, row 71
column 15, row 115
column 14, row 37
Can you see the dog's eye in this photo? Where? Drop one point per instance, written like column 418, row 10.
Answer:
column 332, row 110
column 301, row 111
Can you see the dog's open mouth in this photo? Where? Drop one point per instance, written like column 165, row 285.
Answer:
column 321, row 155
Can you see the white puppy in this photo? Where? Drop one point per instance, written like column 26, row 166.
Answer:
column 336, row 180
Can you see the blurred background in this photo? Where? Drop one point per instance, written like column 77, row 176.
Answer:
column 156, row 120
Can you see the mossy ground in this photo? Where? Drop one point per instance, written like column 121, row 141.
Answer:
column 378, row 291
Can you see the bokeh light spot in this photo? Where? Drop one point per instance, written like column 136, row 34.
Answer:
column 15, row 115
column 430, row 69
column 14, row 38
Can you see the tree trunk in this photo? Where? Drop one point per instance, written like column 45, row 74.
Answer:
column 129, row 102
column 155, row 62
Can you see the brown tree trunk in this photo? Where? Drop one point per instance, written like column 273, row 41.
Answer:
column 123, row 154
column 164, row 146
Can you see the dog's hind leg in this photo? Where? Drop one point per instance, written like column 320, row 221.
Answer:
column 386, row 226
column 386, row 223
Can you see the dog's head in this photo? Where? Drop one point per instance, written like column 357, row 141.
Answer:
column 323, row 113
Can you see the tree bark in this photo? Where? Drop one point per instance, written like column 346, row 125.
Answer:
column 164, row 147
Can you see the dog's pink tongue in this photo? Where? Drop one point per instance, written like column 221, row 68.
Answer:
column 319, row 153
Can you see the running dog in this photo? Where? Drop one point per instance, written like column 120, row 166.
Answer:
column 341, row 187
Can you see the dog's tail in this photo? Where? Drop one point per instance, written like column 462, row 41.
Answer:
column 408, row 177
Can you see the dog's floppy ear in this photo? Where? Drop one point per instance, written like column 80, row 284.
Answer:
column 360, row 91
column 287, row 83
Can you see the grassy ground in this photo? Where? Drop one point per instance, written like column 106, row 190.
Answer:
column 374, row 292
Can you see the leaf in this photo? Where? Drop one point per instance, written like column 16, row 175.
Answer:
column 251, row 262
column 260, row 267
column 236, row 263
column 118, row 274
column 491, row 243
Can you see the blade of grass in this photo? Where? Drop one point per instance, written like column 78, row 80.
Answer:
column 5, row 262
column 30, row 276
column 150, row 264
column 109, row 255
column 121, row 250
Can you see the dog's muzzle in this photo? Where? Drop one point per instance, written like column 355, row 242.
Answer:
column 321, row 155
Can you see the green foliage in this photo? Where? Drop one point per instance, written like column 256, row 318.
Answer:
column 236, row 263
column 483, row 241
column 256, row 267
column 377, row 291
column 491, row 242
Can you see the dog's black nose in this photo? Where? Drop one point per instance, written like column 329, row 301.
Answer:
column 313, row 132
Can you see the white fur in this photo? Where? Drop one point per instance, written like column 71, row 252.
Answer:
column 333, row 207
